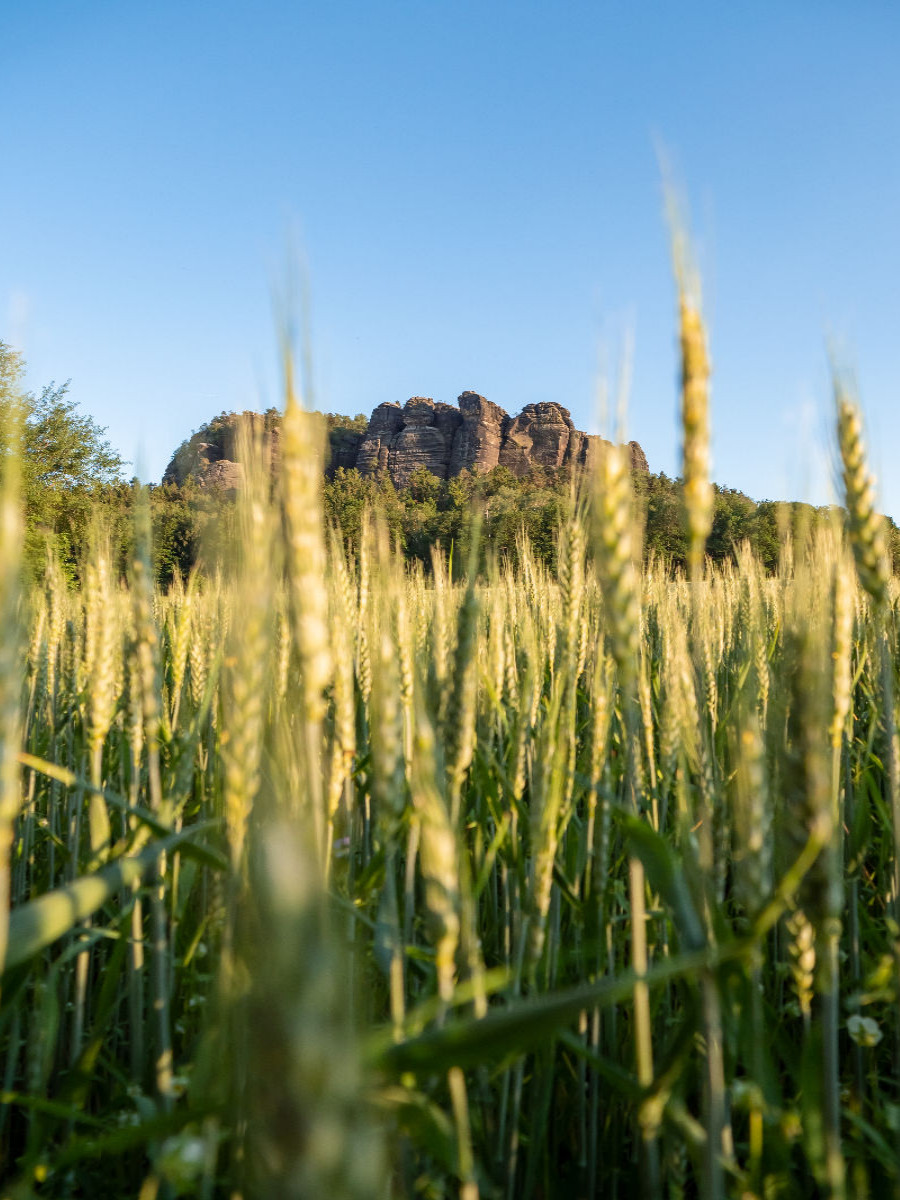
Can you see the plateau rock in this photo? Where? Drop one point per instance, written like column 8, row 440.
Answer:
column 444, row 439
column 475, row 436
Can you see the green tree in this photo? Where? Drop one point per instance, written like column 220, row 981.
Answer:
column 733, row 523
column 664, row 532
column 66, row 462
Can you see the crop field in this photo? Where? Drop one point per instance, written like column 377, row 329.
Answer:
column 330, row 877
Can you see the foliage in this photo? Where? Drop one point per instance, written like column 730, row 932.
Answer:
column 66, row 463
column 338, row 421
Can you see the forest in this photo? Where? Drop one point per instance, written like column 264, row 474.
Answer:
column 75, row 486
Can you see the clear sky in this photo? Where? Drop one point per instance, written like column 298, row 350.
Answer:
column 477, row 192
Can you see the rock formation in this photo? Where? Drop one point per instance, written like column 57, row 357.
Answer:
column 444, row 439
column 212, row 457
column 476, row 436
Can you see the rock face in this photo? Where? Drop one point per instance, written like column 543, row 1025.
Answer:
column 638, row 457
column 420, row 443
column 386, row 422
column 476, row 436
column 444, row 439
column 476, row 444
column 541, row 435
column 225, row 474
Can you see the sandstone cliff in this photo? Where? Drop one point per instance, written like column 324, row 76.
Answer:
column 474, row 435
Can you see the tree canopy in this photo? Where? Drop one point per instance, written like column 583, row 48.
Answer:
column 67, row 464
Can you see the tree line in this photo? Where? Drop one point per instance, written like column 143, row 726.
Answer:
column 75, row 488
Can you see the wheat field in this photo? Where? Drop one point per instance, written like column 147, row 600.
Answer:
column 334, row 877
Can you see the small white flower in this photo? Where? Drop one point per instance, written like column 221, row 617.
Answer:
column 864, row 1030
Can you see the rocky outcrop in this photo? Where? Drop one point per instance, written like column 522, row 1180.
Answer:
column 213, row 456
column 475, row 436
column 444, row 439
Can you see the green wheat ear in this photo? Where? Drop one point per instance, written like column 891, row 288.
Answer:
column 866, row 526
column 698, row 491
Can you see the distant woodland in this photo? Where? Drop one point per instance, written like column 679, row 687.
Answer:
column 75, row 488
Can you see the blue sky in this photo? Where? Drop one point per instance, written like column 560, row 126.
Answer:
column 477, row 193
